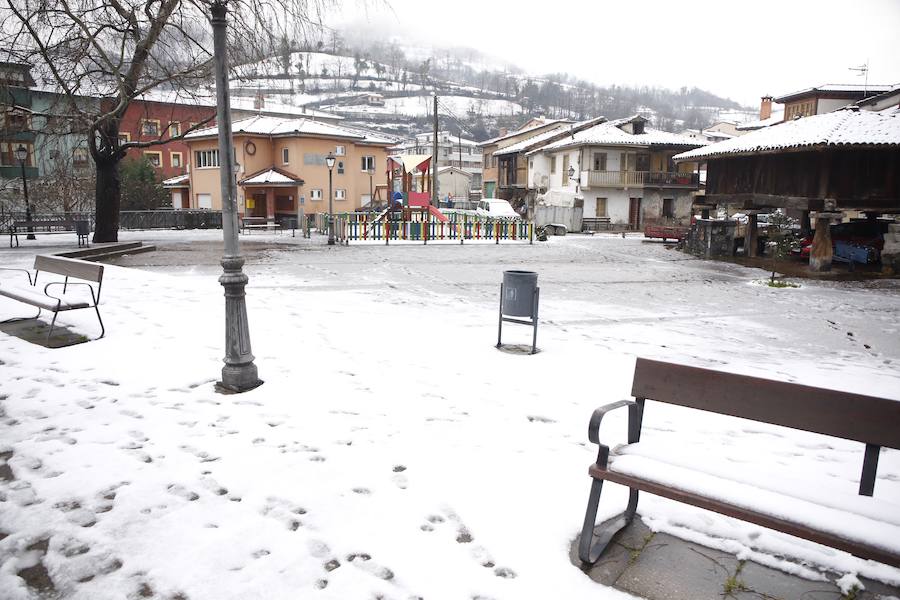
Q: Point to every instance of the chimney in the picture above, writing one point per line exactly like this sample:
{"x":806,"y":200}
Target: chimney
{"x":765,"y":108}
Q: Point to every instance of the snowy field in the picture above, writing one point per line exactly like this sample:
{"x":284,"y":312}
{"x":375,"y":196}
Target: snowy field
{"x":393,"y":452}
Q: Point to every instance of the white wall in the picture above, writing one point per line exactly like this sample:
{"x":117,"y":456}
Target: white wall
{"x":827,"y":105}
{"x":617,"y":203}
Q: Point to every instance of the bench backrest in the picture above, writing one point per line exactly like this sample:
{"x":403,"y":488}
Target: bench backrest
{"x":866,"y":419}
{"x":69,"y":267}
{"x":43,"y":223}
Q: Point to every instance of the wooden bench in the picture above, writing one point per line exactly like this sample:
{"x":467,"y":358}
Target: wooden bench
{"x":43,"y":300}
{"x":50,"y":227}
{"x":869,"y":420}
{"x":594,"y":223}
{"x":249,"y":224}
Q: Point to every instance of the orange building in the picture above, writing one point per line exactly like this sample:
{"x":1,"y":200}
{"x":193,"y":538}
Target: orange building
{"x":281,"y":167}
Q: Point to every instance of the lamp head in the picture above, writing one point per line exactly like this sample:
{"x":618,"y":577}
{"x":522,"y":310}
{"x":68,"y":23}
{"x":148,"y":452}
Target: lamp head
{"x":329,"y":161}
{"x":21,"y":153}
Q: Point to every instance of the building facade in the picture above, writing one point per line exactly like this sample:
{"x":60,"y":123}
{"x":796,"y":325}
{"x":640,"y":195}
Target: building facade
{"x":17,"y":131}
{"x":281,"y":166}
{"x":826,"y":98}
{"x":620,"y":171}
{"x":453,"y":151}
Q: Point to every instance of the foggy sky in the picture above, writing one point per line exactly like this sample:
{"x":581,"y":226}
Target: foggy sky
{"x":737,"y":49}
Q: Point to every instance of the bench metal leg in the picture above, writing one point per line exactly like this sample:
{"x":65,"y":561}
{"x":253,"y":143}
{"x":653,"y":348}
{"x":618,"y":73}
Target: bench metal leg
{"x":52,"y":324}
{"x":16,"y":319}
{"x":595,"y":538}
{"x":869,"y":470}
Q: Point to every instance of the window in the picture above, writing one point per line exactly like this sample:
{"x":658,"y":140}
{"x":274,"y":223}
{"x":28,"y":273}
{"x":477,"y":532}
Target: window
{"x":174,"y":128}
{"x":124,"y":138}
{"x":368,"y":163}
{"x":340,"y":194}
{"x":155,"y":158}
{"x":175,"y":159}
{"x":150,"y":127}
{"x":487,"y":160}
{"x":285,"y":156}
{"x":204,"y":200}
{"x":16,"y":121}
{"x":79,"y":157}
{"x":600,"y":210}
{"x":340,"y":166}
{"x":206,"y":158}
{"x":553,"y":165}
{"x":315,"y":195}
{"x":565,"y":170}
{"x":600,"y":165}
{"x":8,"y":154}
{"x":642,"y":162}
{"x":340,"y":150}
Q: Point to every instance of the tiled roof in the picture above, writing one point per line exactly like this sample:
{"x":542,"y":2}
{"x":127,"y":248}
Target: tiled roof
{"x":611,"y":134}
{"x":276,"y":126}
{"x":847,"y":127}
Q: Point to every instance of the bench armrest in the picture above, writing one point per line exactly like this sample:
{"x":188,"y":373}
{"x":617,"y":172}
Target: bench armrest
{"x":67,"y":284}
{"x":26,"y":271}
{"x":635,"y":416}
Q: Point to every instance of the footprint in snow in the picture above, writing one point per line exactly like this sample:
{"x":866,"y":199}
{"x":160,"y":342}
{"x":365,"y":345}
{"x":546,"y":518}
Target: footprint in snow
{"x":182,"y":492}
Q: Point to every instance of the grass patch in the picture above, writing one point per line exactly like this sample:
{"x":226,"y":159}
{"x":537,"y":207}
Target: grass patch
{"x":781,"y":284}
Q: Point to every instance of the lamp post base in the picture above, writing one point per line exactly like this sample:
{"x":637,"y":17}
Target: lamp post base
{"x":239,"y":373}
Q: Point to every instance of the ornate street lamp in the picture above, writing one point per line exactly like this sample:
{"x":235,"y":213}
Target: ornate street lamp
{"x":22,"y":155}
{"x":329,"y":162}
{"x":239,"y":373}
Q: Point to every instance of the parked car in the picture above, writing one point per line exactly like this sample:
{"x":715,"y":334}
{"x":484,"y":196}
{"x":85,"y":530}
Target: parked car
{"x":496,"y":209}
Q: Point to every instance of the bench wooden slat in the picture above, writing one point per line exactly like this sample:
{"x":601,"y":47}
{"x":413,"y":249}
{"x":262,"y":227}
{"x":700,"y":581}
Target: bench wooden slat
{"x":68,"y":267}
{"x":651,"y":487}
{"x":857,"y":417}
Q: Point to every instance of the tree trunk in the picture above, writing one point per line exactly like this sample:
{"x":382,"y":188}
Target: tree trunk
{"x":108,"y":194}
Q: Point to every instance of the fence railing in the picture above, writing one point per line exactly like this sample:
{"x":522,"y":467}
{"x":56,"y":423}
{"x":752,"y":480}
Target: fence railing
{"x":137,"y":219}
{"x":431,"y":231}
{"x":640,"y":178}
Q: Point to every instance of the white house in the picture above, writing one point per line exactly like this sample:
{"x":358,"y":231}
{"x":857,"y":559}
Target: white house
{"x":621,"y":172}
{"x":453,"y":182}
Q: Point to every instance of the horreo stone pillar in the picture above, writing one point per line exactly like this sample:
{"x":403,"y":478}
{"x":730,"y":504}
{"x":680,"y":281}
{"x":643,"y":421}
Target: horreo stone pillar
{"x":821,"y":253}
{"x":239,"y":373}
{"x":751,"y":236}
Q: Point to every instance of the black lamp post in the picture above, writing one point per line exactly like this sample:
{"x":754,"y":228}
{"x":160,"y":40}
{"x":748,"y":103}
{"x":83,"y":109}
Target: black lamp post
{"x":371,"y":173}
{"x":329,"y":162}
{"x":22,"y":155}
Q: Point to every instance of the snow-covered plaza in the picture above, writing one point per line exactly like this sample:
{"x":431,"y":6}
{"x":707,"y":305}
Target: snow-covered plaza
{"x":392,"y":451}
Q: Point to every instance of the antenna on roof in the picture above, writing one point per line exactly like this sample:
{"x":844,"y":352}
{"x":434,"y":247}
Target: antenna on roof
{"x":863,"y":70}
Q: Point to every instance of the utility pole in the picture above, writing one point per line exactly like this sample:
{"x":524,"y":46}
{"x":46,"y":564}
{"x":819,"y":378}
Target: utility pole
{"x":434,"y":157}
{"x":239,"y":373}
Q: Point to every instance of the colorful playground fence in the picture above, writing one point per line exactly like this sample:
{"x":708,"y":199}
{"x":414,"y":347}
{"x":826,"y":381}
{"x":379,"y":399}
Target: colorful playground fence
{"x":360,"y":228}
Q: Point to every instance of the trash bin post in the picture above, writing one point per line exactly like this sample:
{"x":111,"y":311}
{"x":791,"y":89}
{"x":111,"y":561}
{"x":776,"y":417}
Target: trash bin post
{"x":514,"y":292}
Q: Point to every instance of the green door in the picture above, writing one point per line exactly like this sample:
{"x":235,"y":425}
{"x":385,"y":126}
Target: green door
{"x":489,"y":189}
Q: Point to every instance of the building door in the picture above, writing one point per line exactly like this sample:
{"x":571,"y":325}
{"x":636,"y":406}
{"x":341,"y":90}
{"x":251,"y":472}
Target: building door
{"x":259,"y":205}
{"x":489,"y":189}
{"x":634,"y":213}
{"x":600,"y":210}
{"x":176,"y":199}
{"x":668,"y":208}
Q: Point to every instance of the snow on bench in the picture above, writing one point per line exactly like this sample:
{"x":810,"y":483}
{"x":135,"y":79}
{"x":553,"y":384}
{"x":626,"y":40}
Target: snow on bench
{"x":855,"y":524}
{"x":42,"y":299}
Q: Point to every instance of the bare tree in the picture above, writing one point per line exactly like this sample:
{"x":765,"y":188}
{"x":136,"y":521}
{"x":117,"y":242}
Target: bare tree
{"x":118,"y":50}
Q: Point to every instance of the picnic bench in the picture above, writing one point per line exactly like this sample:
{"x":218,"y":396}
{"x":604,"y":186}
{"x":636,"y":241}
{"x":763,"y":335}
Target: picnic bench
{"x":42,"y":299}
{"x":50,"y":227}
{"x":871,"y":420}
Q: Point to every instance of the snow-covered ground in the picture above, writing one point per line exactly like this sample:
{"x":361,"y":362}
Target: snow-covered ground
{"x":393,"y":452}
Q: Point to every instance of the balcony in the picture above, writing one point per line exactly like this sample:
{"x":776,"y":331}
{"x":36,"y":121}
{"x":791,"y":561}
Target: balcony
{"x":639,"y":179}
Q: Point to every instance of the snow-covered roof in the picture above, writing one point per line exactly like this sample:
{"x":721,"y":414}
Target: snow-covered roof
{"x":777,"y":117}
{"x":274,"y":105}
{"x":177,"y":181}
{"x":548,"y":136}
{"x":271,"y":176}
{"x":281,"y":127}
{"x":612,"y":134}
{"x":835,"y":88}
{"x":543,"y":125}
{"x":453,"y":169}
{"x":846,"y":127}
